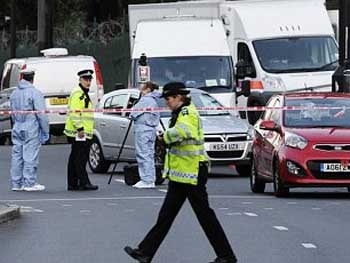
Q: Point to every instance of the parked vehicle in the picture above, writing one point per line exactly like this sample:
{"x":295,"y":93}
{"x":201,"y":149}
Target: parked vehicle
{"x":273,"y":43}
{"x":55,"y":77}
{"x":227,"y":137}
{"x":175,"y":41}
{"x":305,"y":146}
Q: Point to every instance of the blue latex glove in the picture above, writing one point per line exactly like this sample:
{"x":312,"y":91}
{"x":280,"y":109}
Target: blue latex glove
{"x":44,"y":137}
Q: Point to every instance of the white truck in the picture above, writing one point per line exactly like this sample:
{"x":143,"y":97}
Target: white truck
{"x":278,"y":45}
{"x":184,"y":43}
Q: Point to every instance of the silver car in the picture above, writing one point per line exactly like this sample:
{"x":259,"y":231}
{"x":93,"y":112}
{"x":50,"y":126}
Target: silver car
{"x":228,"y":138}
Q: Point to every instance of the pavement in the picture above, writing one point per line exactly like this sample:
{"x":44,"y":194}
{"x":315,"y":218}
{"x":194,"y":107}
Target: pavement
{"x":8,"y":212}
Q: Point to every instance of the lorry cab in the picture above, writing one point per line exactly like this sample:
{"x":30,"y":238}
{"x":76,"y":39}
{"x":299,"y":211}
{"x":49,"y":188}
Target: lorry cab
{"x":182,"y":47}
{"x":280,"y":46}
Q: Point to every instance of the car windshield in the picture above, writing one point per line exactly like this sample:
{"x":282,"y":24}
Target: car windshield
{"x":200,"y":100}
{"x":317,"y":112}
{"x":297,"y":54}
{"x":211,"y":72}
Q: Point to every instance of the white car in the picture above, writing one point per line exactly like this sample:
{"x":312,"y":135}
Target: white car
{"x":55,"y":76}
{"x":228,"y":138}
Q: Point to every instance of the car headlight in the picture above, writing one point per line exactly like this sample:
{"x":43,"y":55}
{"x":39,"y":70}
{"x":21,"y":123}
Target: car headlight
{"x":273,"y":83}
{"x":250,"y":133}
{"x":295,"y":141}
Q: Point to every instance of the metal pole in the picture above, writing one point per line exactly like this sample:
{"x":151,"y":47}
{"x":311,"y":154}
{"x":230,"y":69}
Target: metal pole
{"x":13,"y":29}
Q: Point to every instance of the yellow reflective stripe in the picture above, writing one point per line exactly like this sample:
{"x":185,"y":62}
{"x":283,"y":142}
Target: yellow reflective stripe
{"x":73,"y":133}
{"x":185,"y":129}
{"x":185,"y":153}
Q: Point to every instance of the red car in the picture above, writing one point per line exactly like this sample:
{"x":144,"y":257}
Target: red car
{"x":304,"y":143}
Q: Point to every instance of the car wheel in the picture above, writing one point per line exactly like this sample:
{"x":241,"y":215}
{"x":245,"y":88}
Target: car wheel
{"x":97,"y":162}
{"x":243,"y":170}
{"x":279,"y":189}
{"x":256,"y":184}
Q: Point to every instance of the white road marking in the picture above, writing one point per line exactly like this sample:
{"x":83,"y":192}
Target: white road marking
{"x":129,"y":210}
{"x":85,"y":211}
{"x":247,"y":203}
{"x":133,"y":198}
{"x":269,"y":208}
{"x":281,"y":228}
{"x":250,"y":214}
{"x":234,"y":214}
{"x":163,"y":190}
{"x":67,"y":205}
{"x":291,"y":203}
{"x":223,"y":208}
{"x":315,"y":208}
{"x":29,"y":209}
{"x":308,"y":245}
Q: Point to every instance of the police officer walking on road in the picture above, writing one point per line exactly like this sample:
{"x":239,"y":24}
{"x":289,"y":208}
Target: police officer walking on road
{"x":79,"y":129}
{"x":186,"y":168}
{"x":29,"y":131}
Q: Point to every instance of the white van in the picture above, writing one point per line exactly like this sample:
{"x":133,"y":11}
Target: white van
{"x":55,"y":76}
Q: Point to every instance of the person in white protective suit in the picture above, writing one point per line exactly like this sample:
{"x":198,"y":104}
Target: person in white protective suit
{"x":145,"y":134}
{"x":29,"y":131}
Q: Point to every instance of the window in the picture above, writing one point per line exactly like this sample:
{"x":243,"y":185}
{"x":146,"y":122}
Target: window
{"x":244,"y":56}
{"x":6,"y":76}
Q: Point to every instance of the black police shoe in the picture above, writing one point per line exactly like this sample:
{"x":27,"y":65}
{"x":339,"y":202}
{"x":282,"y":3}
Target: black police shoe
{"x":224,"y":260}
{"x":137,"y":254}
{"x":88,"y":187}
{"x":73,"y":188}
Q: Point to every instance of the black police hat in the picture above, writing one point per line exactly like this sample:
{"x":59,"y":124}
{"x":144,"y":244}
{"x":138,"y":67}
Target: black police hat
{"x":85,"y":73}
{"x":174,"y":88}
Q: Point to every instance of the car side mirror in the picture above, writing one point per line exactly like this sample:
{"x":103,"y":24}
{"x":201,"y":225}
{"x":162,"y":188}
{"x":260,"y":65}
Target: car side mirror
{"x":244,"y":69}
{"x":270,"y":125}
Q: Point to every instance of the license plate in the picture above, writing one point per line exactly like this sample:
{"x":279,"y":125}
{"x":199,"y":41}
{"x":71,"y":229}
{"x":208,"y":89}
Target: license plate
{"x":58,"y":101}
{"x":334,"y":167}
{"x":224,"y":147}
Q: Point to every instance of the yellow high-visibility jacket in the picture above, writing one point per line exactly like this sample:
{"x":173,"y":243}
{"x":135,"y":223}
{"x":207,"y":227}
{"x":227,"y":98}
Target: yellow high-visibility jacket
{"x":79,"y":120}
{"x":186,"y":147}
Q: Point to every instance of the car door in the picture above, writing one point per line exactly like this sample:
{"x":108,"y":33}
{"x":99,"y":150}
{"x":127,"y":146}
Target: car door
{"x":262,"y":144}
{"x":112,"y":124}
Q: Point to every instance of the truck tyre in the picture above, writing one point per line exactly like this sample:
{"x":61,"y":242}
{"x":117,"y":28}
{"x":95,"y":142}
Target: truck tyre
{"x":279,"y":189}
{"x":243,"y":170}
{"x":253,"y":101}
{"x":97,"y":162}
{"x":256,"y":184}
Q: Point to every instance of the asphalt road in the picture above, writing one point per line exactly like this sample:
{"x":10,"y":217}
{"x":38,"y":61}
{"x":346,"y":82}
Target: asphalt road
{"x":311,"y":226}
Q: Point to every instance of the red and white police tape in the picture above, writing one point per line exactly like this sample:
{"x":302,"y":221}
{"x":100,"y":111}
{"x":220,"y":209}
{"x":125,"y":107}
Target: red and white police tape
{"x":236,"y":108}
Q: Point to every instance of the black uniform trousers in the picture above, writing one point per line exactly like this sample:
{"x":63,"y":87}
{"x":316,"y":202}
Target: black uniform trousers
{"x":198,"y":198}
{"x":77,"y":174}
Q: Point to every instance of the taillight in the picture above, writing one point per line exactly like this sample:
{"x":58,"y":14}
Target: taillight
{"x":21,"y":75}
{"x":99,"y":81}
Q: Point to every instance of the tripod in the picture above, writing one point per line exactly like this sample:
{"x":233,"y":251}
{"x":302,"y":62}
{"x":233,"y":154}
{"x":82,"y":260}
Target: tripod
{"x":120,"y":150}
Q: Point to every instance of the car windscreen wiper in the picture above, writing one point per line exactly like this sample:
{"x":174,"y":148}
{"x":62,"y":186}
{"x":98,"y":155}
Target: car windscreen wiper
{"x":325,"y":66}
{"x":217,"y":88}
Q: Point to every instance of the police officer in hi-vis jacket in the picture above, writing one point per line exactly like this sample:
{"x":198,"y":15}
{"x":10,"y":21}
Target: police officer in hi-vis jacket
{"x":79,"y":129}
{"x":186,"y":168}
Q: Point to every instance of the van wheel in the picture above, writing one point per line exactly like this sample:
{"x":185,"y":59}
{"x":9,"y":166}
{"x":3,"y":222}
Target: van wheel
{"x":97,"y":162}
{"x":253,"y":116}
{"x":279,"y":189}
{"x":243,"y":170}
{"x":256,"y":184}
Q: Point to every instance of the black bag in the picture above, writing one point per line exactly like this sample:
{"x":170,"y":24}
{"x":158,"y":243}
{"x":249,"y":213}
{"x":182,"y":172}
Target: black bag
{"x":131,"y":174}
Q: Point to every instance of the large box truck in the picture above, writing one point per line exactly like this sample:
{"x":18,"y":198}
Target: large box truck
{"x":278,"y":45}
